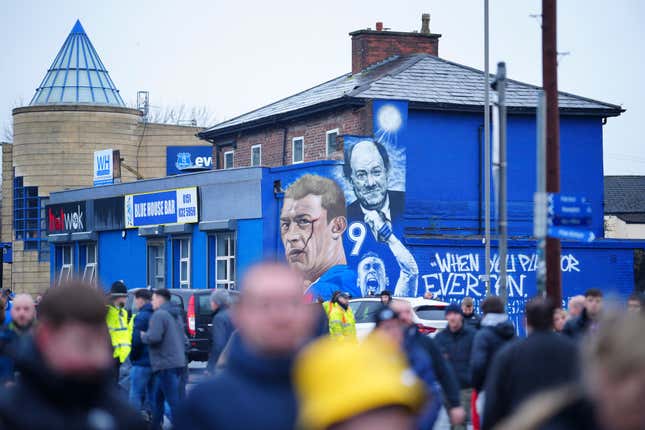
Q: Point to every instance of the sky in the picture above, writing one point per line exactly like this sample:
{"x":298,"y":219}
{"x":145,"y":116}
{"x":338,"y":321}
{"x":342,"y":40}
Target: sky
{"x":233,"y":56}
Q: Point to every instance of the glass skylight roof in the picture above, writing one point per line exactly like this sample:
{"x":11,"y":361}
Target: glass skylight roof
{"x":77,"y":76}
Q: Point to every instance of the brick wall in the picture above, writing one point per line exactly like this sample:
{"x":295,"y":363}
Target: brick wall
{"x":370,"y":47}
{"x":355,"y":121}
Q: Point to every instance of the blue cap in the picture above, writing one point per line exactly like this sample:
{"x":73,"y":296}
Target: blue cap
{"x":452,"y":307}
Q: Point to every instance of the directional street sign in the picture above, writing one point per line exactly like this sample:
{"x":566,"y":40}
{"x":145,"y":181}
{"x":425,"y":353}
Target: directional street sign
{"x":578,"y":234}
{"x":569,"y":217}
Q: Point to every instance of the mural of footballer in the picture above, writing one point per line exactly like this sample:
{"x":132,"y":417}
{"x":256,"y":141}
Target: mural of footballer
{"x":312,"y":223}
{"x":367,"y":168}
{"x":372,"y":278}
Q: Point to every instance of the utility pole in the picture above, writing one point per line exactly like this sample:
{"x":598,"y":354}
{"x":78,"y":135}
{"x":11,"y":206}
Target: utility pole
{"x":499,"y":85}
{"x":550,"y":84}
{"x":487,"y":165}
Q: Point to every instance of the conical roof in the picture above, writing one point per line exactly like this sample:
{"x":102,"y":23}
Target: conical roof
{"x":77,"y":76}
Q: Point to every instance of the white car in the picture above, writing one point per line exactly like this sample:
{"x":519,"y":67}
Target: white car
{"x":428,"y":315}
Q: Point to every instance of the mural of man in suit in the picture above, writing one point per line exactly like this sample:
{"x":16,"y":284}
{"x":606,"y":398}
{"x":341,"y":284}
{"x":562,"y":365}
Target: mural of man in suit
{"x":367,"y":166}
{"x":312,"y":222}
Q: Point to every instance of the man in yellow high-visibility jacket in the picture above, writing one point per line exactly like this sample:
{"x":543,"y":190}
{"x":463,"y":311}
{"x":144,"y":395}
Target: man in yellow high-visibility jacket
{"x":342,"y":324}
{"x":118,"y":323}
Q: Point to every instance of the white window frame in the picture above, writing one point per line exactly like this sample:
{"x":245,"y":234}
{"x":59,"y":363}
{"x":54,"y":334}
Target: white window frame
{"x":66,"y":269}
{"x":90,"y":268}
{"x":232,"y":159}
{"x":228,"y":258}
{"x":152,"y":280}
{"x":259,"y":147}
{"x":184,"y":283}
{"x":293,"y":149}
{"x":327,"y":153}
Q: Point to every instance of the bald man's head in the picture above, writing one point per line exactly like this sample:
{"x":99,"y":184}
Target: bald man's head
{"x":404,"y":309}
{"x":23,"y":311}
{"x":271,"y":315}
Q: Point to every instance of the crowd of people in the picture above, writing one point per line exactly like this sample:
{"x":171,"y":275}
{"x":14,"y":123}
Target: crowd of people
{"x":79,"y":360}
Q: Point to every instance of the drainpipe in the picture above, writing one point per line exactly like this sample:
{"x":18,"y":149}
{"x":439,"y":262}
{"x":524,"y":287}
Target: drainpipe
{"x":284,"y":145}
{"x":278,"y":194}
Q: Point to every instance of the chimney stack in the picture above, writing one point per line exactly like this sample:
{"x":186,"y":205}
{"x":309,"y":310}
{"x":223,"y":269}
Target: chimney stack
{"x":425,"y":23}
{"x":372,"y":46}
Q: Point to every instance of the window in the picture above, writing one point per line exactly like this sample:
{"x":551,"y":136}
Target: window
{"x":256,"y":155}
{"x":156,"y":264}
{"x":223,"y":259}
{"x":181,"y":248}
{"x":29,"y":221}
{"x":228,"y":159}
{"x":332,"y":141}
{"x":65,"y":259}
{"x":298,"y":149}
{"x":89,"y":260}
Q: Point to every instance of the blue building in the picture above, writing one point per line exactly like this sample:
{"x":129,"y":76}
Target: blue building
{"x":417,"y":210}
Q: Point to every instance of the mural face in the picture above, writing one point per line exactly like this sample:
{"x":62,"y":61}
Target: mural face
{"x":312,"y":224}
{"x":368,"y":174}
{"x":371,"y":275}
{"x":306,"y":234}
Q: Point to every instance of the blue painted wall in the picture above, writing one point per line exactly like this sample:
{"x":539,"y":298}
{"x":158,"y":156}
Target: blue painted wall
{"x":453,"y":269}
{"x":250,"y":246}
{"x":122,"y":258}
{"x":445,"y":161}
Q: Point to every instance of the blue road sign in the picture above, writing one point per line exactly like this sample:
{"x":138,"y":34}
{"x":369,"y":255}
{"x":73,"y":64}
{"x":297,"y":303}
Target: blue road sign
{"x":569,"y":217}
{"x":562,"y":206}
{"x":568,"y":233}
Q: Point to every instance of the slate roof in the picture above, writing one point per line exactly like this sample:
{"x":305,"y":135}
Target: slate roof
{"x":625,"y":197}
{"x":422,"y":79}
{"x":77,"y":75}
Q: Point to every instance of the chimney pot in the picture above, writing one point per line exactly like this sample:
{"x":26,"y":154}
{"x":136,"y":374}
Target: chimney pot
{"x":379,"y":26}
{"x":425,"y":23}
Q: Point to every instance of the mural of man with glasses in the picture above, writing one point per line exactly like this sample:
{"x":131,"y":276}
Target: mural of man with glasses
{"x":312,"y":222}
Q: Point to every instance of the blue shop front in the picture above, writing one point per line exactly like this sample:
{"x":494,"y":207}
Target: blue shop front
{"x":175,"y":232}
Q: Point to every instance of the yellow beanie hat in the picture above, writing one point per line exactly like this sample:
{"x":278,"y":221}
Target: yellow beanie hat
{"x":336,"y":381}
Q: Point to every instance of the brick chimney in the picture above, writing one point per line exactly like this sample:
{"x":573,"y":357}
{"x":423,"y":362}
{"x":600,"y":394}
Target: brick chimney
{"x":371,"y":46}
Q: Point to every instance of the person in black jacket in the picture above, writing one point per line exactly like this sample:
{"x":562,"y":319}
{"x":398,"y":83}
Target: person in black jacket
{"x":588,"y":320}
{"x":495,"y":331}
{"x":255,"y":389}
{"x":66,"y":379}
{"x":523,"y":368}
{"x":471,"y":319}
{"x":455,"y":343}
{"x":222,"y":326}
{"x":141,"y":380}
{"x":443,"y":371}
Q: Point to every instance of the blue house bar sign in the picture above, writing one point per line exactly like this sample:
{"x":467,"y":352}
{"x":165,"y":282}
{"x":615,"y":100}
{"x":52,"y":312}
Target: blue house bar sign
{"x":177,"y":206}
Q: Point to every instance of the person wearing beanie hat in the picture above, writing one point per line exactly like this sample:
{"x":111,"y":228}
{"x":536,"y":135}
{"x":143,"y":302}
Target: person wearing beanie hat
{"x":386,"y":297}
{"x":382,"y":393}
{"x":455,"y":343}
{"x":118,"y":324}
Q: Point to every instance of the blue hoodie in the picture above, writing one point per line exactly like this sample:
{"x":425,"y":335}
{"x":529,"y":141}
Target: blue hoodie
{"x":139,"y":355}
{"x":252,"y":392}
